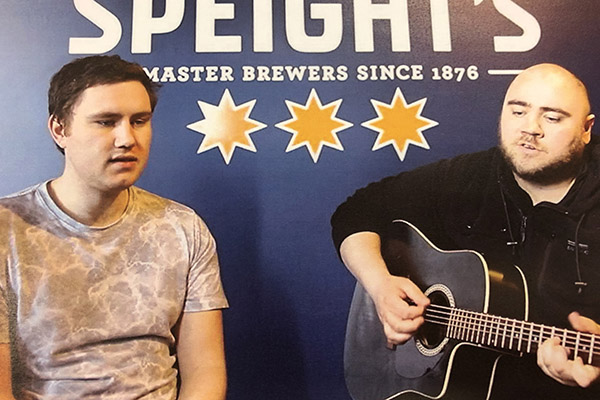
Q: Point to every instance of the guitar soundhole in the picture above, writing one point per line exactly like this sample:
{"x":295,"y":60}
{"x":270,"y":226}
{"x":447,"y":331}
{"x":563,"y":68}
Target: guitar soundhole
{"x":431,"y":338}
{"x":432,"y":335}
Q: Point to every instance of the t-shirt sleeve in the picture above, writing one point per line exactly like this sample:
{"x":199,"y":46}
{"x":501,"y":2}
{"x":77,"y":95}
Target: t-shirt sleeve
{"x":4,"y":333}
{"x":204,"y":288}
{"x":4,"y":318}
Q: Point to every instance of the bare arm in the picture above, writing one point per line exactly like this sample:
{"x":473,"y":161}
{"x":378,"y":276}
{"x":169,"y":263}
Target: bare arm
{"x":201,"y":356}
{"x":553,"y":359}
{"x":361,"y":254}
{"x":5,"y":373}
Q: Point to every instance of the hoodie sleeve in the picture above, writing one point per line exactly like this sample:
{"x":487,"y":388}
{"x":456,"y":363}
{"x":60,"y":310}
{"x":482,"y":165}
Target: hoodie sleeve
{"x":424,"y":197}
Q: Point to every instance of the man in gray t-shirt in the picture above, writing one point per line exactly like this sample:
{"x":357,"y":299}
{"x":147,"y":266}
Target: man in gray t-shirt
{"x":105,"y":286}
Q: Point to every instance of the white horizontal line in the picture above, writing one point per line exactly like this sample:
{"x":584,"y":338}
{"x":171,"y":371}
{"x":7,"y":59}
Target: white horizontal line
{"x":504,"y":71}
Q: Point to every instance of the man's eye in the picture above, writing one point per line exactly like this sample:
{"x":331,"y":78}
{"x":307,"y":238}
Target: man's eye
{"x":553,"y":119}
{"x":105,"y":122}
{"x":518,"y":113}
{"x":140,"y":122}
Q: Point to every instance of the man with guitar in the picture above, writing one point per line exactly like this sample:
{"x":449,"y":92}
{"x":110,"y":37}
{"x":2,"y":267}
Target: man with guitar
{"x":534,"y":202}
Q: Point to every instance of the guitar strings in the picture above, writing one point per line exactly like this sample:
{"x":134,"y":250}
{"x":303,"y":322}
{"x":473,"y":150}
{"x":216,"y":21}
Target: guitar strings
{"x":499,"y":325}
{"x":462,"y":323}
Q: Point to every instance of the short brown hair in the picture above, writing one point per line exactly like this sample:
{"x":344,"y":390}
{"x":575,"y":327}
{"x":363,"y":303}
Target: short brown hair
{"x":73,"y":78}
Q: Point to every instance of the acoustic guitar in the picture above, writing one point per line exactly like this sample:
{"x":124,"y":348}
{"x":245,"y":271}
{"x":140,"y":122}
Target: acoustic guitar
{"x":477,"y":313}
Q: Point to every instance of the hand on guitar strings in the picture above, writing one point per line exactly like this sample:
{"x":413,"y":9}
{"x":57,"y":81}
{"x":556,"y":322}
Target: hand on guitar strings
{"x":554,"y":360}
{"x":400,"y":306}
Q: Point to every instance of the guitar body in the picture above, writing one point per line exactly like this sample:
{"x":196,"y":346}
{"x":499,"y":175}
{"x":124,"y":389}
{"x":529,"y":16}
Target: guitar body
{"x":430,"y":365}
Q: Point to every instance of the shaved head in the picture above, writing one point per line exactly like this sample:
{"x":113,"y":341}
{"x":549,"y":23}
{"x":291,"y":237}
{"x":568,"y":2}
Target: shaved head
{"x":556,"y":76}
{"x":545,"y":124}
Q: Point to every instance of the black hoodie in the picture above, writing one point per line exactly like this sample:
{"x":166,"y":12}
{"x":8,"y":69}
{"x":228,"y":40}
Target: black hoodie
{"x":473,"y":202}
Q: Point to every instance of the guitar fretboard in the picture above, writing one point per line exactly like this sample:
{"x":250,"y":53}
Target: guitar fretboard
{"x":511,"y":334}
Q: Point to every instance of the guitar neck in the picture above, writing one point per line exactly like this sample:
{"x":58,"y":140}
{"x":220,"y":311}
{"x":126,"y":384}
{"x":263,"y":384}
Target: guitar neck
{"x":511,"y":334}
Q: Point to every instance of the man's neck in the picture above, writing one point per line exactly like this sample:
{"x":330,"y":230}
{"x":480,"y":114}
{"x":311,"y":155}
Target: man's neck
{"x":89,"y":208}
{"x":552,"y":193}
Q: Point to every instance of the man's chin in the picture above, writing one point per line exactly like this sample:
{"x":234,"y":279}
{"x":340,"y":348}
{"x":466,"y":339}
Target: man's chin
{"x":548,"y":174}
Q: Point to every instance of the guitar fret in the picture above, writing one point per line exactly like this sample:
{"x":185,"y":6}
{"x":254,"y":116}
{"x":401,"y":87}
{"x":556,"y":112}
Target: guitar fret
{"x":465,"y":331}
{"x":450,"y":324}
{"x":521,"y":336}
{"x":461,"y":326}
{"x":473,"y":329}
{"x":512,"y":334}
{"x":455,"y":326}
{"x":541,"y":335}
{"x":577,"y":345}
{"x":484,"y":333}
{"x":530,"y":338}
{"x":469,"y":327}
{"x":479,"y":330}
{"x":504,"y":334}
{"x":591,"y":355}
{"x":496,"y":333}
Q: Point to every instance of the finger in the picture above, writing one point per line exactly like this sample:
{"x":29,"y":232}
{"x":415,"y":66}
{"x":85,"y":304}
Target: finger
{"x":550,"y":352}
{"x":412,"y":292}
{"x":584,"y":375}
{"x":400,"y":330}
{"x":583,"y":324}
{"x":401,"y":310}
{"x":553,"y":361}
{"x":395,"y":337}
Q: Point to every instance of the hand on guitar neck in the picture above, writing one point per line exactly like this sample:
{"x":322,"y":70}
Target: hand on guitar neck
{"x":554,"y":360}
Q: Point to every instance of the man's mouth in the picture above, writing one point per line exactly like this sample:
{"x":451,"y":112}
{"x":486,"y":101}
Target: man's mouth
{"x":126,"y":162}
{"x":123,"y":159}
{"x":529,"y":146}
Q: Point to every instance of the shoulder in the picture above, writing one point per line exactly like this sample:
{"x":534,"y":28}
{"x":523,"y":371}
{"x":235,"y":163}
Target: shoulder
{"x":18,"y":196}
{"x":20,"y":202}
{"x":460,"y":170}
{"x":159,"y":210}
{"x":151,"y":201}
{"x":469,"y":168}
{"x":593,"y":150}
{"x":482,"y":159}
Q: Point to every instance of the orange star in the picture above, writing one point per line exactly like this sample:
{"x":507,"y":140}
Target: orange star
{"x":226,"y":126}
{"x":399,"y":124}
{"x":314,"y":125}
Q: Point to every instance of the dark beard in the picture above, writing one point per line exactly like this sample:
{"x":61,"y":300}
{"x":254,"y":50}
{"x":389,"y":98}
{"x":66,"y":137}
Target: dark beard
{"x":559,"y":171}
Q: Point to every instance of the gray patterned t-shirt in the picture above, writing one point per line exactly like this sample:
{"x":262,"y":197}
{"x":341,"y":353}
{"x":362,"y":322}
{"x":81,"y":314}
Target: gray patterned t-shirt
{"x":89,"y":311}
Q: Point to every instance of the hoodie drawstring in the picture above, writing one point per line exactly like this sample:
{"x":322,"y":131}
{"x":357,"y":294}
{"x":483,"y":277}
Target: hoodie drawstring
{"x":580,"y":283}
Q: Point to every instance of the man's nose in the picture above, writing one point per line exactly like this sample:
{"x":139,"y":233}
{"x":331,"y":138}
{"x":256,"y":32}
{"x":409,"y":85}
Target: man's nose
{"x":532,"y":126}
{"x":124,"y":135}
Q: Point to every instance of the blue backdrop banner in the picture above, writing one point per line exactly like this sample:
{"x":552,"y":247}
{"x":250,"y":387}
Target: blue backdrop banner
{"x":271,"y":113}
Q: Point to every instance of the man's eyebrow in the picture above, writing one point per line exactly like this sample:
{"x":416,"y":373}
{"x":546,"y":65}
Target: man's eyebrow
{"x":110,"y":115}
{"x":518,"y":103}
{"x":557,"y":110}
{"x":105,"y":115}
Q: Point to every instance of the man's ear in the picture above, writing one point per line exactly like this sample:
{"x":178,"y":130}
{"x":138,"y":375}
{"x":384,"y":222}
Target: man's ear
{"x":57,"y":131}
{"x":587,"y":126}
